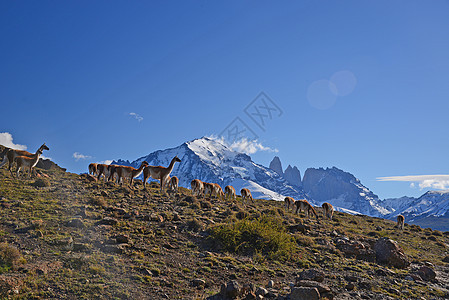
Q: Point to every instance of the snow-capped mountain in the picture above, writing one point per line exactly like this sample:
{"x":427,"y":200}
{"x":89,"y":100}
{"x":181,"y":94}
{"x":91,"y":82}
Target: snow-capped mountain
{"x":432,"y":203}
{"x":343,"y":190}
{"x":211,"y":160}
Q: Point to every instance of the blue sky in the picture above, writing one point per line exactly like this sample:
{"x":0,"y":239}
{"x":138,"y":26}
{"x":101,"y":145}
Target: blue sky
{"x":362,"y":85}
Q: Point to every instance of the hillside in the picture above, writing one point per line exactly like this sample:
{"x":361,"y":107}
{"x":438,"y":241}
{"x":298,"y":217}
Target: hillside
{"x":67,"y":236}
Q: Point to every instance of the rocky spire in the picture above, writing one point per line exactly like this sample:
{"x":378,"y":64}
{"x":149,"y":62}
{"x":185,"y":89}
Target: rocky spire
{"x":293,"y":176}
{"x":276,"y":166}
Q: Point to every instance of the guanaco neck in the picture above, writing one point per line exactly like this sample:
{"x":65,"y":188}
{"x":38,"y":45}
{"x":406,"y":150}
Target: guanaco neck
{"x":172,"y":164}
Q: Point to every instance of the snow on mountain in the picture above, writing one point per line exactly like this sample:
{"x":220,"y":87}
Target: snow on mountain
{"x":343,"y":190}
{"x":431,"y":204}
{"x":211,"y":160}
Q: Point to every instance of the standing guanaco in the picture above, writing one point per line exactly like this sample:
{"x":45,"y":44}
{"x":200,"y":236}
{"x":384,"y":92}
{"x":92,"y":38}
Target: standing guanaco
{"x":328,"y":210}
{"x":27,"y":162}
{"x":289,"y":203}
{"x":159,"y":173}
{"x":400,"y":222}
{"x":11,"y":154}
{"x":197,"y":187}
{"x":218,"y":191}
{"x":246,"y":194}
{"x":127,"y":172}
{"x":174,"y":182}
{"x":230,"y":192}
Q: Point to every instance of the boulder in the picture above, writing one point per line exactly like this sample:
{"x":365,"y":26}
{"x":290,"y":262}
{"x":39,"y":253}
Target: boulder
{"x":305,"y":293}
{"x":231,"y":290}
{"x":311,"y":274}
{"x":426,"y":273}
{"x":388,"y":252}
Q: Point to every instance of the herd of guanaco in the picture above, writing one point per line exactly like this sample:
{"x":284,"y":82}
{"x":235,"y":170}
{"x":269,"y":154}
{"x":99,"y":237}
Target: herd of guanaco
{"x":27,"y":161}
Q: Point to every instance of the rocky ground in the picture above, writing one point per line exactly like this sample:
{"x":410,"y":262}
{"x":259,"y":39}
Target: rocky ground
{"x":68,"y":236}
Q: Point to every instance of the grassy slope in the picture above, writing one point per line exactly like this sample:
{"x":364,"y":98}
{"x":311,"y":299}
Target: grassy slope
{"x":168,"y":244}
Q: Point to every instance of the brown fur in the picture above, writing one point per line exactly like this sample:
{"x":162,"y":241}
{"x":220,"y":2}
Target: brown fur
{"x":127,"y":172}
{"x":27,"y":162}
{"x":246,"y":194}
{"x":197,"y":187}
{"x":305,"y":206}
{"x":174,"y":182}
{"x":159,"y":173}
{"x":93,"y":169}
{"x":218,"y":191}
{"x":289,"y":203}
{"x":230,"y":192}
{"x":11,"y":154}
{"x":328,"y":210}
{"x":400,"y":222}
{"x":208,"y":189}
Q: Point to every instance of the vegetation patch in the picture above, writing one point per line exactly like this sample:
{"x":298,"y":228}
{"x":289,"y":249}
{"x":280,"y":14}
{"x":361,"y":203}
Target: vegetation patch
{"x":266,"y":235}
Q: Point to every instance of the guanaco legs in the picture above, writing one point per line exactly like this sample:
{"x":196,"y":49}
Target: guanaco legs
{"x":127,"y":172}
{"x":218,"y":191}
{"x":159,"y":172}
{"x":11,"y":154}
{"x":197,"y":187}
{"x":174,"y":182}
{"x":400,"y":222}
{"x":328,"y":210}
{"x":246,"y":194}
{"x":230,"y":192}
{"x":289,"y":203}
{"x":27,"y":162}
{"x":305,"y":206}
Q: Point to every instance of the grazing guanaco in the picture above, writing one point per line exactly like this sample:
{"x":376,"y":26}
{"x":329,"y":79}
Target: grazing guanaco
{"x":246,"y":194}
{"x":159,"y":173}
{"x":197,"y":187}
{"x":127,"y":172}
{"x":328,"y":210}
{"x":400,"y":222}
{"x":174,"y":182}
{"x":305,"y":206}
{"x":27,"y":162}
{"x":218,"y":191}
{"x":12,"y":154}
{"x":208,"y":189}
{"x":93,"y":169}
{"x":230,"y":192}
{"x":289,"y":203}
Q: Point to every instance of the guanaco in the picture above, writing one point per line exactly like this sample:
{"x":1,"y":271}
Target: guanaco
{"x":11,"y":154}
{"x":159,"y":173}
{"x":305,"y":206}
{"x":197,"y":187}
{"x":208,"y":189}
{"x":289,"y":203}
{"x":400,"y":222}
{"x":218,"y":191}
{"x":246,"y":194}
{"x":174,"y":182}
{"x":328,"y":210}
{"x":93,"y":169}
{"x":230,"y":192}
{"x":27,"y":162}
{"x":124,"y":172}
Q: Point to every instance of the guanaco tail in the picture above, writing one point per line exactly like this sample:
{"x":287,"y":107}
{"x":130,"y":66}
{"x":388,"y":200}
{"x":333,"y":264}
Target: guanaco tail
{"x":400,"y":222}
{"x":93,"y":169}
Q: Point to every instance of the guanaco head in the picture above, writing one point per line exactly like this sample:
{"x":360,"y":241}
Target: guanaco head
{"x":176,"y":159}
{"x":145,"y":164}
{"x":44,"y":147}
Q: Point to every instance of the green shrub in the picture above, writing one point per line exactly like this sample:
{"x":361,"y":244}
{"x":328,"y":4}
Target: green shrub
{"x":265,"y":235}
{"x":9,"y":255}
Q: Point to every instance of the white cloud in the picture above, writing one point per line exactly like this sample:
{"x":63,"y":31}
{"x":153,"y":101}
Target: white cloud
{"x":136,"y":116}
{"x":439,"y":182}
{"x":77,"y":156}
{"x":6,"y":140}
{"x":244,"y":145}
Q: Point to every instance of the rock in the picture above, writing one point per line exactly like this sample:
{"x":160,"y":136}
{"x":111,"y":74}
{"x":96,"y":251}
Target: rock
{"x":104,"y":194}
{"x":388,"y":252}
{"x":261,"y":291}
{"x":304,"y":293}
{"x":107,"y":221}
{"x":446,"y":259}
{"x":270,"y":284}
{"x":156,"y":218}
{"x":122,"y":239}
{"x":311,"y":274}
{"x":350,"y":286}
{"x":118,"y":249}
{"x":231,"y":290}
{"x":77,"y":223}
{"x":324,"y":289}
{"x":408,"y":277}
{"x":197,"y":282}
{"x":276,"y":166}
{"x":293,"y":176}
{"x":426,"y":273}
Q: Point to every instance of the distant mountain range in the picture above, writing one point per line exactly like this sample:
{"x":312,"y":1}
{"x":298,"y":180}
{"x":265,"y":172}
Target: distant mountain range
{"x":211,"y":160}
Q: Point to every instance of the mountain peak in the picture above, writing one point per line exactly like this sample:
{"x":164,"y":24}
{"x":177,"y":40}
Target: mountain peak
{"x":276,"y":166}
